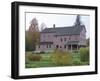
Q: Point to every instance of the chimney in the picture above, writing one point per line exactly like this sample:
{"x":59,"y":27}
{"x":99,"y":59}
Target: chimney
{"x":53,"y":25}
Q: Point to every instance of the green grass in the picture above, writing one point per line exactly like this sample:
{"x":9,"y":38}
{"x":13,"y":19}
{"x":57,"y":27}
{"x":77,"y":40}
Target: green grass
{"x":46,"y":61}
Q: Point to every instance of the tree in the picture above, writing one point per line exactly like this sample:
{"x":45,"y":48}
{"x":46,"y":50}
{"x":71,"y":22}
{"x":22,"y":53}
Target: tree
{"x":78,"y":21}
{"x":43,"y":26}
{"x":32,"y":36}
{"x":32,"y":39}
{"x":34,"y":25}
{"x":88,"y":42}
{"x":29,"y":41}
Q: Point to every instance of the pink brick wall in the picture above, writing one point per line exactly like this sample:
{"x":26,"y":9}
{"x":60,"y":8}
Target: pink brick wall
{"x":47,"y":37}
{"x":57,"y":40}
{"x":83,"y":37}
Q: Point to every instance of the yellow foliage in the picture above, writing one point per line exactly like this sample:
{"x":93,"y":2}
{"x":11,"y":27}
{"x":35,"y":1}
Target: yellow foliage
{"x":60,"y":57}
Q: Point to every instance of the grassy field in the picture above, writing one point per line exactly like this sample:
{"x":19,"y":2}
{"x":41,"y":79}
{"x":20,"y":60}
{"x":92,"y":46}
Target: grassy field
{"x":44,"y":62}
{"x":47,"y":62}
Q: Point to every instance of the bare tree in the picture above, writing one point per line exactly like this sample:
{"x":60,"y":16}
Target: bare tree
{"x":34,"y":25}
{"x":43,"y":26}
{"x":32,"y":35}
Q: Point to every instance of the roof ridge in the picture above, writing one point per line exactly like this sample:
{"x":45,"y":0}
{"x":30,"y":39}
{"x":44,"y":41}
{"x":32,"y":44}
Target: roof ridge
{"x":64,"y":30}
{"x":63,"y":27}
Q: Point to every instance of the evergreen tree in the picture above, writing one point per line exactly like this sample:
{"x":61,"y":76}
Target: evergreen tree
{"x":78,"y":21}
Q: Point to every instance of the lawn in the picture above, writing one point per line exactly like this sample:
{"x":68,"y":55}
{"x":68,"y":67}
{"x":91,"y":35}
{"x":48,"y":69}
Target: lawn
{"x":47,"y":62}
{"x":44,"y":62}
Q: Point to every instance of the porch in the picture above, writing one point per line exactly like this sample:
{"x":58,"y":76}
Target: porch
{"x":73,"y":45}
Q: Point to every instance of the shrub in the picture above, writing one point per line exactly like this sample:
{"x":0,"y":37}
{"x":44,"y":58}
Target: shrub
{"x":75,"y":51}
{"x":84,"y":54}
{"x":33,"y":57}
{"x":77,"y":62}
{"x":42,"y":52}
{"x":60,"y":57}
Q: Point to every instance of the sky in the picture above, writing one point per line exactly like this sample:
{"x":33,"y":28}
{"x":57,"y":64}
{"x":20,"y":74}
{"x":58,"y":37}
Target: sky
{"x":60,"y":20}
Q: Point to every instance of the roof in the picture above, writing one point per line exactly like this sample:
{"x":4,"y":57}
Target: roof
{"x":72,"y":42}
{"x":71,"y":30}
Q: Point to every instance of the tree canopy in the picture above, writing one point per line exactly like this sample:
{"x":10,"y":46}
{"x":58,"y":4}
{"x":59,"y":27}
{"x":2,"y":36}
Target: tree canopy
{"x":78,"y":21}
{"x":32,"y":36}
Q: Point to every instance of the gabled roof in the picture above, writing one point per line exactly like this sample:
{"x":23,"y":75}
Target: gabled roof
{"x":71,"y":30}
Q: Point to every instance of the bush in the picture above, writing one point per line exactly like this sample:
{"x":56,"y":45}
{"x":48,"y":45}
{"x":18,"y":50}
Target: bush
{"x":42,"y":52}
{"x":60,"y":57}
{"x":77,"y":62}
{"x":76,"y":51}
{"x":33,"y":57}
{"x":84,"y":54}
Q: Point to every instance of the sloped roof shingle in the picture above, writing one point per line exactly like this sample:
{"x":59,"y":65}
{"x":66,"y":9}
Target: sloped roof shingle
{"x":71,"y":30}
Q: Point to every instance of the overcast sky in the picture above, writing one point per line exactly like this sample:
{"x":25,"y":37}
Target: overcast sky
{"x":59,"y":20}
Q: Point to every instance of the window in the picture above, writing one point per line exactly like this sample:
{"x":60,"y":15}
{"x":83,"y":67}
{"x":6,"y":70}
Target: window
{"x":64,"y":39}
{"x":76,"y":38}
{"x":61,"y":40}
{"x":69,"y":38}
{"x":60,"y":47}
{"x":57,"y":46}
{"x":55,"y":36}
{"x":49,"y":46}
{"x":65,"y":46}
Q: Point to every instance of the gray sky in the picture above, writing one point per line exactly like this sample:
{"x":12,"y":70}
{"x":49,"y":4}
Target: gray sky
{"x":59,"y":20}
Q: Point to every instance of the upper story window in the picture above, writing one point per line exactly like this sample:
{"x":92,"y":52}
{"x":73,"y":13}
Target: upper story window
{"x":43,"y":36}
{"x":61,"y":39}
{"x":64,"y":39}
{"x":55,"y":36}
{"x":69,"y":38}
{"x":76,"y":38}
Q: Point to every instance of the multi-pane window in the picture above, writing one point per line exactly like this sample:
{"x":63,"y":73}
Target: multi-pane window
{"x":61,"y":39}
{"x":49,"y":46}
{"x":69,"y":38}
{"x":65,"y":46}
{"x":64,"y":39}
